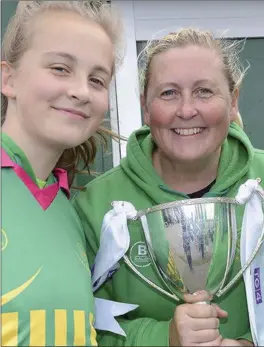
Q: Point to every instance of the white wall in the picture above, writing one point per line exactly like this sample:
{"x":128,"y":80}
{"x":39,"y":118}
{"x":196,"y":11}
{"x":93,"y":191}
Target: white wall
{"x":240,"y":18}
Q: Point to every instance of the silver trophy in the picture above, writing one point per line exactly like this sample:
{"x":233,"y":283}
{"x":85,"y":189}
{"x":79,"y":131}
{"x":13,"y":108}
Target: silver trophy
{"x":192,"y":244}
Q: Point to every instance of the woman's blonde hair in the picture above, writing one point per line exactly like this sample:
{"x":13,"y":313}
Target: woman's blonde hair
{"x":239,"y":120}
{"x":16,"y":41}
{"x":228,"y":51}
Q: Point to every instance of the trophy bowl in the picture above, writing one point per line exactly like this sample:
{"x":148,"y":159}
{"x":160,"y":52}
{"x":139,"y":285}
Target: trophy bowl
{"x":192,"y":243}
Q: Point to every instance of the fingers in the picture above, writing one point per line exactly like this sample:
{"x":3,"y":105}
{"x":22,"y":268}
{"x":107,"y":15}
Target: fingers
{"x":220,"y":313}
{"x":203,"y":296}
{"x":216,"y":342}
{"x":197,"y":297}
{"x":189,"y":337}
{"x":201,"y":311}
{"x":209,"y":323}
{"x":206,"y":311}
{"x":195,"y":324}
{"x":230,"y":342}
{"x":203,"y":336}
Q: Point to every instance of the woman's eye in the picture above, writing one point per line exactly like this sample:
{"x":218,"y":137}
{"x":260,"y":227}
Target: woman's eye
{"x":204,"y":92}
{"x":168,"y":93}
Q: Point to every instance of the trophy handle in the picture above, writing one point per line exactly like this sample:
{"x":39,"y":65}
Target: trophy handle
{"x":244,"y":268}
{"x":128,"y":262}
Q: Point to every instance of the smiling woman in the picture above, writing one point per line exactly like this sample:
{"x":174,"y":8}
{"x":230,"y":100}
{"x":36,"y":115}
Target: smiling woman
{"x":190,"y":148}
{"x":251,"y":101}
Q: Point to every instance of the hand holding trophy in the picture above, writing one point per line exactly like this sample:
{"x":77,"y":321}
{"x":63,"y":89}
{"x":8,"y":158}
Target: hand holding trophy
{"x":192,"y":244}
{"x":195,"y":324}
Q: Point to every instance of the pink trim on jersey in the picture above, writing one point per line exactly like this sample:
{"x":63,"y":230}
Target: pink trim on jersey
{"x":45,"y":195}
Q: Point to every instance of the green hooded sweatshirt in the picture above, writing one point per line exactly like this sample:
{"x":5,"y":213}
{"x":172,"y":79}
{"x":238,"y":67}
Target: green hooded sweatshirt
{"x":136,"y":181}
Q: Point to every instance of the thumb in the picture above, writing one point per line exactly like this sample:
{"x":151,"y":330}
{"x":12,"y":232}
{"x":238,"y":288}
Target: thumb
{"x":220,"y":313}
{"x":229,"y":343}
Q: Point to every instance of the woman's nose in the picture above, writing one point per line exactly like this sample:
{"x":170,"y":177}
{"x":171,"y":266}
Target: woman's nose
{"x":187,"y":108}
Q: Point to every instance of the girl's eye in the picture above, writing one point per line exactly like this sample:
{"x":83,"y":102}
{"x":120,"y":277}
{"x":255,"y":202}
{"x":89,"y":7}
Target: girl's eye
{"x":60,"y":69}
{"x":97,"y":82}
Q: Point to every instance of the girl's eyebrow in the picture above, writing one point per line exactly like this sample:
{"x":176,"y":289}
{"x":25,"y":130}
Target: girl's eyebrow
{"x":73,"y":59}
{"x":63,"y":55}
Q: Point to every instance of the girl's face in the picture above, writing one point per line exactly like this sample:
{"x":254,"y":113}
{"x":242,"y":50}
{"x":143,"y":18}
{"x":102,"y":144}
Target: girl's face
{"x":58,"y":94}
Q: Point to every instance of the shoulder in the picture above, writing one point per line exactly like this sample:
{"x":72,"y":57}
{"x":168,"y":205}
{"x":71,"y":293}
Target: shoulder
{"x":257,"y":164}
{"x":112,"y":174}
{"x":109,"y":179}
{"x":258,"y":157}
{"x":102,"y":185}
{"x":259,"y":151}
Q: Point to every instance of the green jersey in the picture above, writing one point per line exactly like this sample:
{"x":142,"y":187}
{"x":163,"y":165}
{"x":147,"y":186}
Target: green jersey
{"x":47,"y":297}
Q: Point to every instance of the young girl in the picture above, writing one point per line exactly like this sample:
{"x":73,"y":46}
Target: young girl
{"x":59,"y":59}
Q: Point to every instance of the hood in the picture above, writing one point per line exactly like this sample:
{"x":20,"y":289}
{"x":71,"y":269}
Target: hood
{"x":235,"y":160}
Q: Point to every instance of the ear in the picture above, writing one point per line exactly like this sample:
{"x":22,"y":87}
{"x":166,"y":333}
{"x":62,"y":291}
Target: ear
{"x":7,"y":73}
{"x":144,"y":107}
{"x":234,"y":106}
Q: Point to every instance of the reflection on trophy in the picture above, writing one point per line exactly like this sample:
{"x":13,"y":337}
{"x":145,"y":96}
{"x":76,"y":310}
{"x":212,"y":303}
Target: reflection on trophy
{"x":192,"y":244}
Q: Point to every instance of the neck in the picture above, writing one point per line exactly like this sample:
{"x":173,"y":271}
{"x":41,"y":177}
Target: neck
{"x":186,"y":177}
{"x":42,"y":158}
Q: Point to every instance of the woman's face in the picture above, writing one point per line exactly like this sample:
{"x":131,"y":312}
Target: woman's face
{"x":59,"y":92}
{"x":188,"y":105}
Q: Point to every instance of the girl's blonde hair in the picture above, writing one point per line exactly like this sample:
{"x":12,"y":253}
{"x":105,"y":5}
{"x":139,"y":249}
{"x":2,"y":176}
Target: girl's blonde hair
{"x":16,"y":41}
{"x":228,"y":51}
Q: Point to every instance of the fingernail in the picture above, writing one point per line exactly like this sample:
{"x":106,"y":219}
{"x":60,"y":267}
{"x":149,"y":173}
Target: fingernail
{"x":199,"y":292}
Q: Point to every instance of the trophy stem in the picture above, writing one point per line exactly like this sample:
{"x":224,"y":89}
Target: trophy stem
{"x":244,"y":268}
{"x":153,"y":285}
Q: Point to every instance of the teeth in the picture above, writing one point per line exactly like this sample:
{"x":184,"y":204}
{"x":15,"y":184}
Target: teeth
{"x":186,"y":132}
